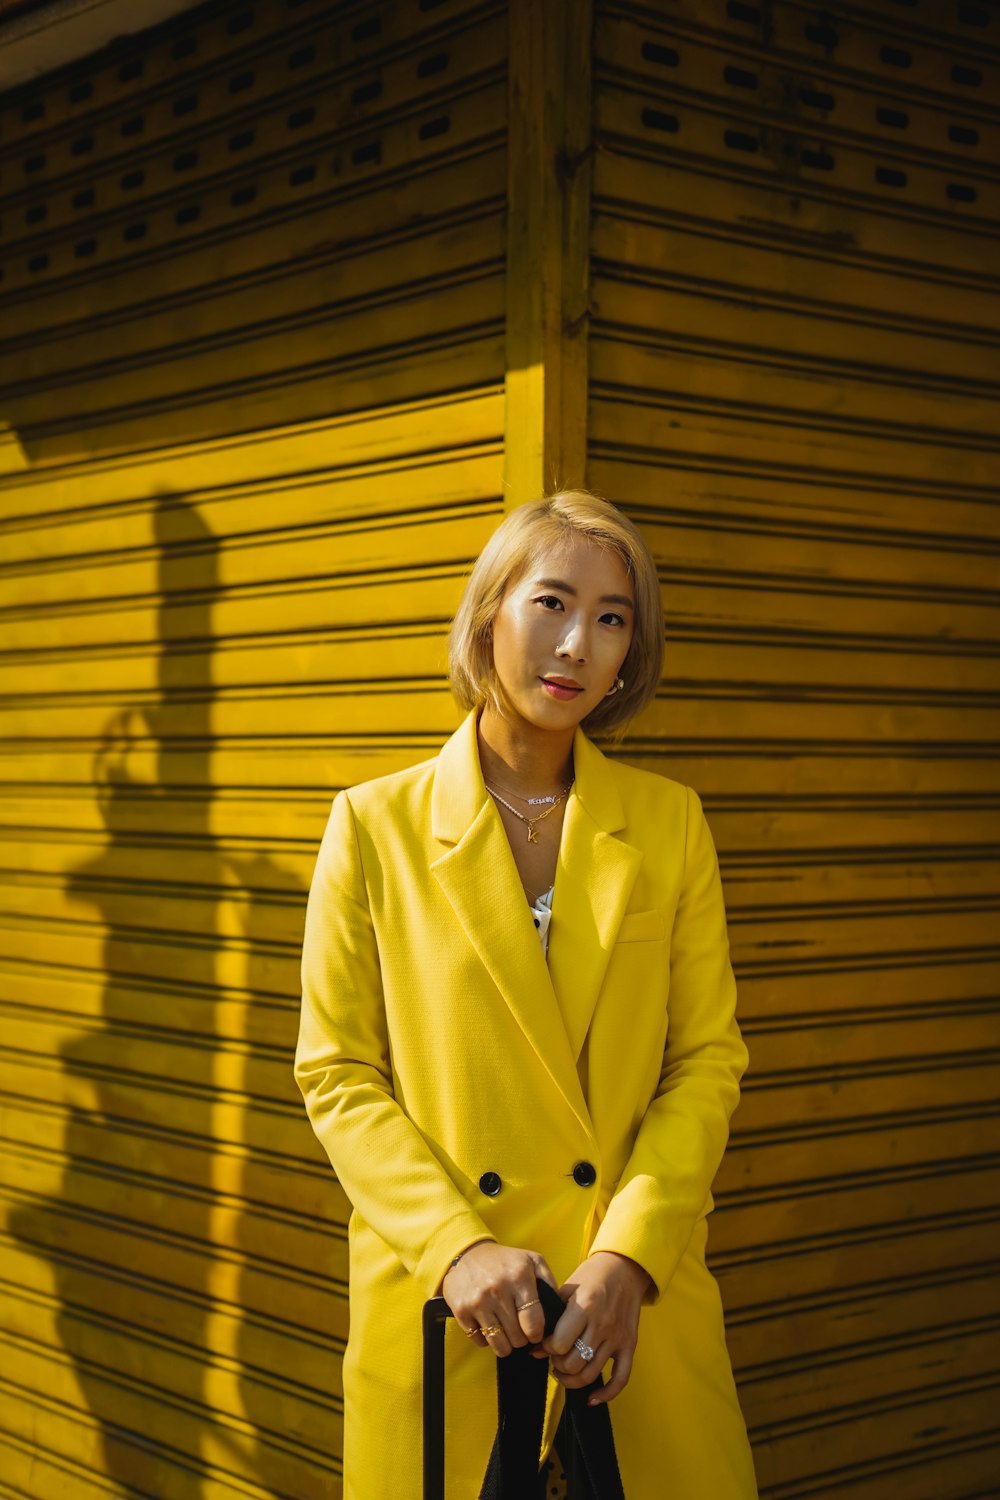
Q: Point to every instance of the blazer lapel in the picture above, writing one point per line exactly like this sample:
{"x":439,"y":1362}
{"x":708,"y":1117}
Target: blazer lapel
{"x":479,"y":877}
{"x":594,"y":879}
{"x":552,"y":1002}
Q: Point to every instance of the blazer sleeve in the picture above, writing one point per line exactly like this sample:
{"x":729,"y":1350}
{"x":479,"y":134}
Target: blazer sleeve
{"x":343,"y":1069}
{"x":681,"y":1139}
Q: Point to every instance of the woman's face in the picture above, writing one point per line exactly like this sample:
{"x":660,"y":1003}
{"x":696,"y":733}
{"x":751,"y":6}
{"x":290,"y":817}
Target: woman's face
{"x":571,"y":616}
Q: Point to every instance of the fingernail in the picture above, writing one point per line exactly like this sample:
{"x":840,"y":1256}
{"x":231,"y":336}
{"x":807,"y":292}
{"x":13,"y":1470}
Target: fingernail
{"x":593,"y":1401}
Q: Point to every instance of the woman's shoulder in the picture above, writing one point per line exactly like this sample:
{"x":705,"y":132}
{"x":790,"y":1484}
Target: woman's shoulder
{"x":660,"y":811}
{"x":393,"y":792}
{"x":645,"y":787}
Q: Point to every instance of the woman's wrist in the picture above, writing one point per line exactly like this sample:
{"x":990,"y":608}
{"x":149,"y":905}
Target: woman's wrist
{"x":486,"y":1240}
{"x":640,"y":1273}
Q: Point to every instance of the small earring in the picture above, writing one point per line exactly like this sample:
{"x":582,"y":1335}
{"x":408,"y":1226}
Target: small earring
{"x":619,"y":684}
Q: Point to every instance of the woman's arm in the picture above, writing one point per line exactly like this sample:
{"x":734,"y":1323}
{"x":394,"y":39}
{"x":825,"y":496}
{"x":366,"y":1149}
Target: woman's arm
{"x":679,"y":1145}
{"x":342,"y":1067}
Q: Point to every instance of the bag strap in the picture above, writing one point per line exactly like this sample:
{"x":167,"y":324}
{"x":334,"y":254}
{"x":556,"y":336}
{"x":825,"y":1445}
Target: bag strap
{"x":512,"y":1472}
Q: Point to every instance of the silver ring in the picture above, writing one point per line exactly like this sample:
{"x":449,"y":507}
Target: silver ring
{"x":584,"y":1349}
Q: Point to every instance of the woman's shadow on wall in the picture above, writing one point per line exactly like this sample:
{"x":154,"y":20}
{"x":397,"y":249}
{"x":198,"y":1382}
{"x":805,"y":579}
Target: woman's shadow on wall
{"x":175,"y":986}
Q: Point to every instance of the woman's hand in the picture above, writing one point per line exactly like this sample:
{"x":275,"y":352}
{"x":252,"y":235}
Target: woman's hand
{"x":489,"y":1288}
{"x":603,"y":1298}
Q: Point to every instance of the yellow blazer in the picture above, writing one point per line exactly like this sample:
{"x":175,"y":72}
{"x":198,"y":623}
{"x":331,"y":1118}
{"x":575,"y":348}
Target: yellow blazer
{"x":463,"y":1087}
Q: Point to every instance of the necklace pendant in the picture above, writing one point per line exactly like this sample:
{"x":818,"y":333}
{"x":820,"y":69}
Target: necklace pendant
{"x":532,"y":835}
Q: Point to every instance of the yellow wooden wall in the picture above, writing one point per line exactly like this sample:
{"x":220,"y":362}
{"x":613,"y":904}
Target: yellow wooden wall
{"x":251,"y":387}
{"x":794,"y":372}
{"x":296,"y":297}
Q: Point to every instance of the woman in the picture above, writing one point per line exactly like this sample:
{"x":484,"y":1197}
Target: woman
{"x":518,"y":1042}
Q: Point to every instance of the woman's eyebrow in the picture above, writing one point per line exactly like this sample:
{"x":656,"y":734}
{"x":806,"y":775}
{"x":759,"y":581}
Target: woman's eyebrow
{"x":567,"y":588}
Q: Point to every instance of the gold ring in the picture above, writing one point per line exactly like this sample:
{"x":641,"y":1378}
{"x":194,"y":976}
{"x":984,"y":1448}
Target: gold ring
{"x":489,"y":1332}
{"x":535,"y":1302}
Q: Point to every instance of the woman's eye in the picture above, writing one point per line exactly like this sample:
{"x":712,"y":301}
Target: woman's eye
{"x":619,"y":618}
{"x":549,"y":599}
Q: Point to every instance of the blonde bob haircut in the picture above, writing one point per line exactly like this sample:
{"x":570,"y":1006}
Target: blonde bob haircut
{"x":530,"y":529}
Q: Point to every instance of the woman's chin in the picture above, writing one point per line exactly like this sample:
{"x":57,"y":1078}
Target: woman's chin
{"x":553,"y":713}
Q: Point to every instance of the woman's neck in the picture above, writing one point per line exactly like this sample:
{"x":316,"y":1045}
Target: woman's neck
{"x":523,"y":758}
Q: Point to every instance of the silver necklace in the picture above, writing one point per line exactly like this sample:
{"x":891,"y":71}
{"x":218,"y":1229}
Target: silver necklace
{"x":532,"y":835}
{"x":537,"y":801}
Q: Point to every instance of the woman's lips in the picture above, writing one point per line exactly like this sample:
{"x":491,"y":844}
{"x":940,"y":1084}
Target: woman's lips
{"x":556,"y":689}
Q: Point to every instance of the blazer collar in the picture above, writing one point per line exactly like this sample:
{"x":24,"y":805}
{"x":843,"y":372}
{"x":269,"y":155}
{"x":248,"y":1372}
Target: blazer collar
{"x":460,"y":792}
{"x":553,"y":1002}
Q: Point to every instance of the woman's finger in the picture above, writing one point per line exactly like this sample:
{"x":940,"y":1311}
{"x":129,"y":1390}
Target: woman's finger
{"x":585,"y":1371}
{"x":530,"y":1315}
{"x":494,"y":1329}
{"x":569,"y":1327}
{"x":619,"y":1378}
{"x":510,"y":1319}
{"x":544,"y":1272}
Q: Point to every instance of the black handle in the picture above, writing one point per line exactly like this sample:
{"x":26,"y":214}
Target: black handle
{"x":591,"y":1462}
{"x":436,"y":1314}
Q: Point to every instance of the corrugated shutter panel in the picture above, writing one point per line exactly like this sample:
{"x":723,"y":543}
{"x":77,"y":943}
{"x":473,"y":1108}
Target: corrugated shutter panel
{"x":793,"y":382}
{"x":251,"y":359}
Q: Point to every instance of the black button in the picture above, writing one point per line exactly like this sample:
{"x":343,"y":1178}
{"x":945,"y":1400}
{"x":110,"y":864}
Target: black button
{"x":585,"y":1174}
{"x":490,"y":1183}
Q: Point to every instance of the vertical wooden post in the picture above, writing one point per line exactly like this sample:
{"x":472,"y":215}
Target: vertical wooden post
{"x":548,"y":236}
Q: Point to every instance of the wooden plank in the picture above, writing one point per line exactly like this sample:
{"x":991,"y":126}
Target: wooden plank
{"x":547,"y":271}
{"x":723,"y":198}
{"x":192,"y":1452}
{"x":102,"y":1364}
{"x":182,"y":1268}
{"x":441,"y":515}
{"x":859,"y":1210}
{"x":384,"y":440}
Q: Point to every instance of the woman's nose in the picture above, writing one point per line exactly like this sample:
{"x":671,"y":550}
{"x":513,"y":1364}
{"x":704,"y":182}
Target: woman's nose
{"x":574,"y":644}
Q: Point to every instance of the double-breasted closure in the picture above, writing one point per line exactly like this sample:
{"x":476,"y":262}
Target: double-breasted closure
{"x":464,"y":1088}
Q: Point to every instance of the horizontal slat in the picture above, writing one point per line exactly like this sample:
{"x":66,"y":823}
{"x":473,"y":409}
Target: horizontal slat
{"x":179,"y":1265}
{"x":432,"y":370}
{"x":843,"y":308}
{"x":304,"y":1193}
{"x":347,"y":344}
{"x":377,"y":213}
{"x":726,"y":201}
{"x":759,"y":1223}
{"x":300,"y":1358}
{"x":885,"y":1446}
{"x":274,"y":134}
{"x":768,"y":84}
{"x":356,"y":100}
{"x":31,"y":1471}
{"x":317,"y":304}
{"x":686,"y":433}
{"x":279,"y":1128}
{"x":226,"y":36}
{"x":155,"y":1367}
{"x":704,"y":340}
{"x":36,"y":789}
{"x":809,"y":506}
{"x":380,"y":441}
{"x":698,"y":391}
{"x":758,"y":1282}
{"x":810,"y":1160}
{"x":393,"y":707}
{"x":443,"y":513}
{"x":177,"y":1448}
{"x":890,"y":863}
{"x":278,"y":1244}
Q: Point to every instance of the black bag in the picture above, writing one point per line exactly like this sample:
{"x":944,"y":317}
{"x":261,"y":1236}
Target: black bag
{"x":512,"y":1473}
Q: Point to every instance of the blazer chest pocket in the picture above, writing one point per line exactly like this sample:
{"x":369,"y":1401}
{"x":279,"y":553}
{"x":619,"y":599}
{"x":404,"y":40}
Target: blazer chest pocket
{"x":641,"y":927}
